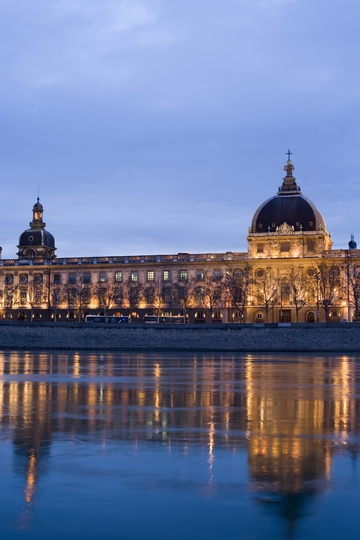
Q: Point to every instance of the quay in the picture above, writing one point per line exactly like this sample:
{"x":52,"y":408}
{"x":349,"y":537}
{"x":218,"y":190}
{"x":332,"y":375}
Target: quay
{"x":321,"y":337}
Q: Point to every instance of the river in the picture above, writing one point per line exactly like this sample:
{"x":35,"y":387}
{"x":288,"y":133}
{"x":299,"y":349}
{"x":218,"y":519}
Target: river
{"x":179,"y":446}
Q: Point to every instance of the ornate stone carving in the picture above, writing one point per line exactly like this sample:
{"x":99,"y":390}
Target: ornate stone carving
{"x":274,"y":247}
{"x":285,"y":228}
{"x":289,"y":167}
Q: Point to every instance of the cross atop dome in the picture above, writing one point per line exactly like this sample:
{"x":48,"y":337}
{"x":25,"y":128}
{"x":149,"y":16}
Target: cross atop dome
{"x":289,"y":186}
{"x":289,"y":167}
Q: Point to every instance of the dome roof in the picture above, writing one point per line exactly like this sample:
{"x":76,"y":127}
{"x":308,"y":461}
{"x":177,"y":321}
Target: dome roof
{"x":352,"y":243}
{"x":38,"y":207}
{"x":36,"y":237}
{"x":288,"y":206}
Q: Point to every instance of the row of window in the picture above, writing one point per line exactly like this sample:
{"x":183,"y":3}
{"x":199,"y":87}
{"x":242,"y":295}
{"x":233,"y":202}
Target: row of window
{"x":311,"y":272}
{"x":134,"y":276}
{"x":85,"y":277}
{"x":23,"y":278}
{"x":285,"y":247}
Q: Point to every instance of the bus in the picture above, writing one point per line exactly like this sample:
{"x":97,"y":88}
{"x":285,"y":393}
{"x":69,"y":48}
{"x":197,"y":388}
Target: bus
{"x":104,"y":319}
{"x":164,"y":319}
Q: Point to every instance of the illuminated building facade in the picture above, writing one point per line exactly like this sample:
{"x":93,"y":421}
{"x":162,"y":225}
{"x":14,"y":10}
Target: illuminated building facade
{"x":289,"y":274}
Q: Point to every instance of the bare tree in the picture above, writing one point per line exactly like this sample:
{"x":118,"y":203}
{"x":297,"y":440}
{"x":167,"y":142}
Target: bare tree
{"x":209,"y":292}
{"x":36,"y":295}
{"x":154,"y":295}
{"x":11,"y":299}
{"x":237,"y":289}
{"x":353,"y":287}
{"x":266,"y":291}
{"x":78,"y":291}
{"x":183,"y":295}
{"x":57,"y":297}
{"x":298,"y":288}
{"x":107,"y":295}
{"x":326,"y":284}
{"x":133,"y":293}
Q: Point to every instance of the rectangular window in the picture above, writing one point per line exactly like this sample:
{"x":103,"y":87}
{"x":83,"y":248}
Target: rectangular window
{"x":23,"y":298}
{"x":118,"y":277}
{"x":311,"y":245}
{"x":167,"y":275}
{"x":200,"y":275}
{"x":217,"y":295}
{"x":182,"y":292}
{"x":102,"y":277}
{"x":167,"y":295}
{"x":150,"y":296}
{"x":183,"y":275}
{"x":57,"y":278}
{"x":86,"y":296}
{"x":38,"y":297}
{"x":285,"y":247}
{"x":134,"y":296}
{"x":87,"y":277}
{"x":150,"y":275}
{"x":200,"y":293}
{"x":72,"y":278}
{"x":285,"y":316}
{"x":260,"y":248}
{"x":72,"y":297}
{"x":217,"y":275}
{"x":134,"y":276}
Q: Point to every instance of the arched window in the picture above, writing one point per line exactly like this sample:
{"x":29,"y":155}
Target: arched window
{"x":310,"y":317}
{"x":259,"y":317}
{"x":334,"y":315}
{"x":200,"y":317}
{"x":217,"y":317}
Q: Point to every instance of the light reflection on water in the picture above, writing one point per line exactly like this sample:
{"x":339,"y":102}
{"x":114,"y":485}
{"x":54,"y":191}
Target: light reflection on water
{"x":179,"y":446}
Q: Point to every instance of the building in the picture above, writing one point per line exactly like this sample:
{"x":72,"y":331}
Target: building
{"x":289,"y":274}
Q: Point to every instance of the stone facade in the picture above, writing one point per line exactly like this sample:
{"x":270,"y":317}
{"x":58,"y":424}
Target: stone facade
{"x":289,"y":274}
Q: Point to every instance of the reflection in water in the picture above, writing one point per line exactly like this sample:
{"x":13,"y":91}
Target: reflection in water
{"x":290,"y":414}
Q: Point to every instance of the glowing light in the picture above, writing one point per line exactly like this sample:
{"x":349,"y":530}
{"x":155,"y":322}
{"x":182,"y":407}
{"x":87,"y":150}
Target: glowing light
{"x":30,"y":478}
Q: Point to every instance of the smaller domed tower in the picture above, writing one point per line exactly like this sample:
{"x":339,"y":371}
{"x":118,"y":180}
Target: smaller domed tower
{"x":352,"y":243}
{"x":36,"y":242}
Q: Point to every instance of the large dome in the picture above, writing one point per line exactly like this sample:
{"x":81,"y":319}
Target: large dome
{"x":288,"y":206}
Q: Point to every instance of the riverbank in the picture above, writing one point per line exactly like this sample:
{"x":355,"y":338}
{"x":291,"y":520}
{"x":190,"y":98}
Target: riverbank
{"x":344,"y":337}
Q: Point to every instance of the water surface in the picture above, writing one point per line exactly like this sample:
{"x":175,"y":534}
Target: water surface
{"x":179,"y":446}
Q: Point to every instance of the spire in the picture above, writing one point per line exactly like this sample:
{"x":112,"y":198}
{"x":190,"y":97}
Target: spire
{"x":289,"y":186}
{"x":37,"y":221}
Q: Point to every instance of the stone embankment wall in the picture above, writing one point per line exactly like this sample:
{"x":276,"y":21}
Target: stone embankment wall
{"x":263,"y":338}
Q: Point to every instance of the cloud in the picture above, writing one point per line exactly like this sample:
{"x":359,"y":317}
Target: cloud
{"x":64,"y":42}
{"x":151,"y":110}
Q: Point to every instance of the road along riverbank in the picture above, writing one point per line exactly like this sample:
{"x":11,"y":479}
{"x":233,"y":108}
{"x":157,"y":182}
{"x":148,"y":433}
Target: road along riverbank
{"x":344,"y":337}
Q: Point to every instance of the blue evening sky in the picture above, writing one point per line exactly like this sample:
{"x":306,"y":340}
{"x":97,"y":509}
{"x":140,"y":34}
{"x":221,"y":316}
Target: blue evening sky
{"x":159,"y":126}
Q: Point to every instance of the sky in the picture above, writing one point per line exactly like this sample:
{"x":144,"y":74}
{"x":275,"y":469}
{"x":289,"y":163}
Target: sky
{"x":159,"y":126}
